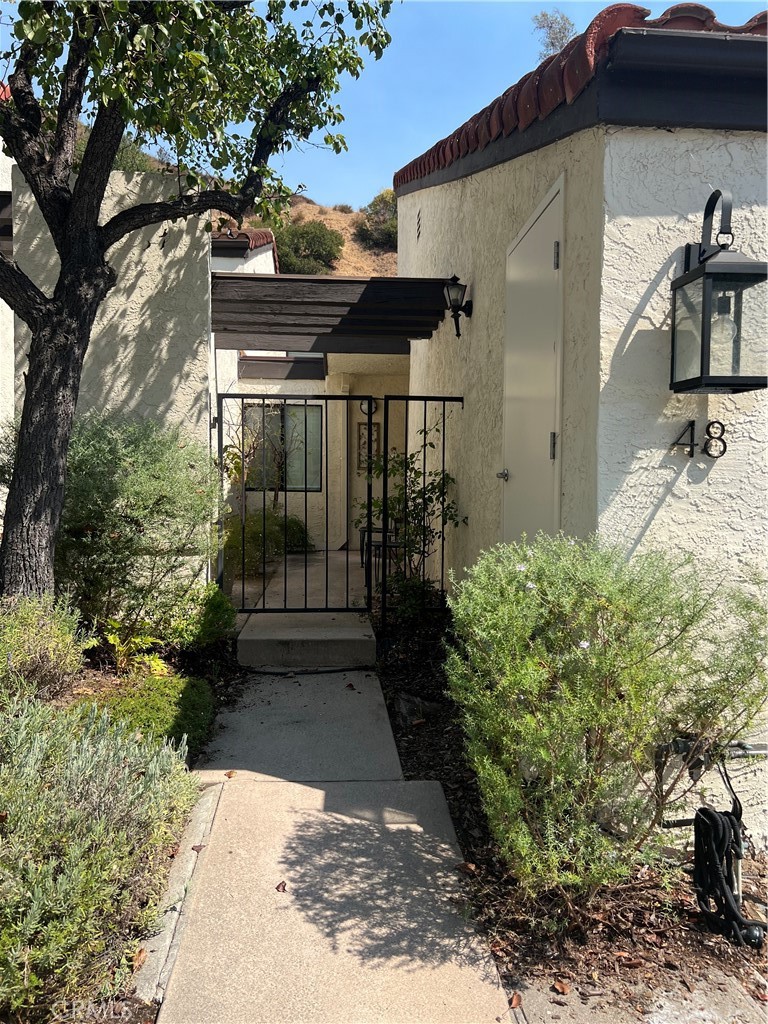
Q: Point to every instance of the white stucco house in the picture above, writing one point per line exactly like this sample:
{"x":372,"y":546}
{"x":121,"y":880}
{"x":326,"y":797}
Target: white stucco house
{"x":565,"y":205}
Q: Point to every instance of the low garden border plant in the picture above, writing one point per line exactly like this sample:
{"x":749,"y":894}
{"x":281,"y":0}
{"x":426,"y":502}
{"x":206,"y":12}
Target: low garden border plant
{"x":88,"y":813}
{"x":572,"y":665}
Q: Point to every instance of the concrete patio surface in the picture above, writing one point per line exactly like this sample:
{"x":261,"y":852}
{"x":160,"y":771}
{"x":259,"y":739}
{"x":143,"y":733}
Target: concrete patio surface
{"x":326,"y":890}
{"x":324,"y":726}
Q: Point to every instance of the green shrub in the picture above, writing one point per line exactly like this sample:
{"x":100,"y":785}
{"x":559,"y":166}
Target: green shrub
{"x":203,"y":616}
{"x":164,"y":705}
{"x":307,"y":248}
{"x":41,"y":645}
{"x":136,"y":521}
{"x":266,"y":537}
{"x":571,"y":665}
{"x":89,"y":812}
{"x":378,"y":227}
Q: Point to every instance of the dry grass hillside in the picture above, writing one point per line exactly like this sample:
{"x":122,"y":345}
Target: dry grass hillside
{"x":355,"y":261}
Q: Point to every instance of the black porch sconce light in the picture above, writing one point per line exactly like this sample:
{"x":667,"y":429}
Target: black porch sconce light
{"x":454,"y":298}
{"x":719,"y":313}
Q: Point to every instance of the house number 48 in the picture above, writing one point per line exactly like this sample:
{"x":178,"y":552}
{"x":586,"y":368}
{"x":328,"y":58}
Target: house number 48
{"x":714,"y":446}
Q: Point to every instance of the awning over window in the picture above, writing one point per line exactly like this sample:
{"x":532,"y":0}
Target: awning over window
{"x":324,"y":314}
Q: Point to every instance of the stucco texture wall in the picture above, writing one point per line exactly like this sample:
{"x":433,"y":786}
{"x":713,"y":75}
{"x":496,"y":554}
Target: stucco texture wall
{"x":149,"y":351}
{"x":466,"y":228}
{"x":656,"y":186}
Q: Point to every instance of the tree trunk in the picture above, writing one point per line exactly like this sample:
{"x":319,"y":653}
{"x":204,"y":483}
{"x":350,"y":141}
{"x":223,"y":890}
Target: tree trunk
{"x":36,"y":492}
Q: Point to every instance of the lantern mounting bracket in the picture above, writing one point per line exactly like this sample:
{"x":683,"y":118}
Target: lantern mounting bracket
{"x":697,"y":253}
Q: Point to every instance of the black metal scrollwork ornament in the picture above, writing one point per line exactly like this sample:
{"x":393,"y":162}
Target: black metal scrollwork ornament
{"x":714,"y":446}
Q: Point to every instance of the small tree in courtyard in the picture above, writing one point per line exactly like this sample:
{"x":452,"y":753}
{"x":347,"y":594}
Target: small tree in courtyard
{"x":175,"y":74}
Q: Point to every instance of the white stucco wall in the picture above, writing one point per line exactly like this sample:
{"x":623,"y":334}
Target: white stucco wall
{"x":466,"y":228}
{"x":149,"y":351}
{"x":255,"y":261}
{"x":656,"y":186}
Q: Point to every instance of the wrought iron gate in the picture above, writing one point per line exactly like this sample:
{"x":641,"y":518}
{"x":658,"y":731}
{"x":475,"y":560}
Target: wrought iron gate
{"x":321,"y":510}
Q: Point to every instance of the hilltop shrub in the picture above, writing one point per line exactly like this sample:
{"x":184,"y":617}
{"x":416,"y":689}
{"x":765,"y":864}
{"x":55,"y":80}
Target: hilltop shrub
{"x":136,"y":521}
{"x":307,"y":248}
{"x":89,"y":812}
{"x":41,"y":645}
{"x":378,"y":227}
{"x":571,"y":665}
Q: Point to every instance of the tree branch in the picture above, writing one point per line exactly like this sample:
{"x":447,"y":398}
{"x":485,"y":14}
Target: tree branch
{"x":93,"y":177}
{"x":74,"y":77}
{"x":275,"y":121}
{"x":21,"y":294}
{"x":145,"y":214}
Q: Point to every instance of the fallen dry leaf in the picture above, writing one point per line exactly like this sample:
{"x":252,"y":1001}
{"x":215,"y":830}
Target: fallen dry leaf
{"x":466,"y":867}
{"x":419,"y":721}
{"x":139,"y":957}
{"x":230,"y":774}
{"x":349,"y":686}
{"x":198,"y":847}
{"x":280,"y":887}
{"x":558,"y":1002}
{"x":3,"y":817}
{"x":515,"y":1001}
{"x":561,"y":986}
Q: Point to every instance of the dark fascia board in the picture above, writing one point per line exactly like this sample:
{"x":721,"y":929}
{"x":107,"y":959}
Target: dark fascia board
{"x":231,"y":247}
{"x":282,"y":369}
{"x":660,"y":79}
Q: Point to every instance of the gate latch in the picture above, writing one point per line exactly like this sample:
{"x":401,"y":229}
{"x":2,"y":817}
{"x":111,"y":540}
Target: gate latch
{"x":503,"y":475}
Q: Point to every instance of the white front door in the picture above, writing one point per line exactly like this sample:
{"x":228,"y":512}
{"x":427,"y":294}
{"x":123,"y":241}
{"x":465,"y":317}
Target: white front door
{"x":532,"y":360}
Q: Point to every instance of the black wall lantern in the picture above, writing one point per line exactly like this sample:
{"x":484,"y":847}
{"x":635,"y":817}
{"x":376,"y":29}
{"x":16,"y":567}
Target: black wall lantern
{"x":719,"y":314}
{"x":454,"y":298}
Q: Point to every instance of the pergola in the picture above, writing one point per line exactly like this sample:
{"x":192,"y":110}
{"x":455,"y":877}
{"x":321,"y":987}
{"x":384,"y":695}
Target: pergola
{"x":306,"y":313}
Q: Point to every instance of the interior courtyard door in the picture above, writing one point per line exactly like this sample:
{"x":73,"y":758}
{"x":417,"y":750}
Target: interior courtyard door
{"x":532,"y":370}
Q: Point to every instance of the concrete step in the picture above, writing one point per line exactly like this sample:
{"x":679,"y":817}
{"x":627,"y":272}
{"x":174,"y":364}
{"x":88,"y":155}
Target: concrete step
{"x":315,"y":640}
{"x":330,"y":903}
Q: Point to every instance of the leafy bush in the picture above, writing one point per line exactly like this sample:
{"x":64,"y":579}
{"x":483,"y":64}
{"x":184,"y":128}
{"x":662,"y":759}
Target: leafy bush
{"x":265,"y":538}
{"x":378,"y":227}
{"x":41,"y":645}
{"x":164,"y":705}
{"x":136,"y":521}
{"x":343,"y":208}
{"x":572,"y":665}
{"x":307,"y":248}
{"x":202,"y":617}
{"x":89,"y":812}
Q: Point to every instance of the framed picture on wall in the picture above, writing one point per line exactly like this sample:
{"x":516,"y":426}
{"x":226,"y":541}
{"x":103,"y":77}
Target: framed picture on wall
{"x":362,"y":443}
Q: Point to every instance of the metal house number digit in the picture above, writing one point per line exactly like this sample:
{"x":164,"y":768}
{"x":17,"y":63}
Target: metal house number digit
{"x":714,"y":446}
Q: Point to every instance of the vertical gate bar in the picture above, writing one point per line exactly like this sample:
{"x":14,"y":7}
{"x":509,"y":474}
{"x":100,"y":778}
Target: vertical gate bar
{"x":283,"y":482}
{"x":325,"y":434}
{"x":242,"y":502}
{"x":368,"y":506}
{"x":406,"y":559}
{"x":306,"y":508}
{"x":263,"y":502}
{"x":424,"y":497}
{"x":345,"y":407}
{"x":385,"y":515}
{"x":220,"y":523}
{"x":442,"y":505}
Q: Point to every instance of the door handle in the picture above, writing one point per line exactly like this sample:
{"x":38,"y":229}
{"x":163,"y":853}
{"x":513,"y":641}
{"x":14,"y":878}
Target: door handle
{"x":503,"y":475}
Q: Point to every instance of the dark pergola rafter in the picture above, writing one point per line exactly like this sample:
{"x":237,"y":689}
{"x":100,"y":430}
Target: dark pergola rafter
{"x":324,"y":314}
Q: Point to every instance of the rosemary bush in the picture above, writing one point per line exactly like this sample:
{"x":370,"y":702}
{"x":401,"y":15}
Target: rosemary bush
{"x":89,"y":811}
{"x":571,"y":665}
{"x":41,"y":645}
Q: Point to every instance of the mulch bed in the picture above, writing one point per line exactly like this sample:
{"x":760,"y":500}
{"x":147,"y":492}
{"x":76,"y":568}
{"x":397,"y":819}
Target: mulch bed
{"x":643,"y":933}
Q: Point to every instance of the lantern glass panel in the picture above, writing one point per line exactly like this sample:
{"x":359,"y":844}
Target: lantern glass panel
{"x":737,"y":338}
{"x":688,"y":310}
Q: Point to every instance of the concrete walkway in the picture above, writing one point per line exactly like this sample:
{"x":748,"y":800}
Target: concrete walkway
{"x":325,"y":892}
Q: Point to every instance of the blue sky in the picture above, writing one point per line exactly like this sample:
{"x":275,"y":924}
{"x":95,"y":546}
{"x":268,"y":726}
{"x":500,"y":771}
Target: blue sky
{"x":447,"y":60}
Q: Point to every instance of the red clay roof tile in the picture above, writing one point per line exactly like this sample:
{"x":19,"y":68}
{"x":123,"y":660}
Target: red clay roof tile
{"x":561,"y":78}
